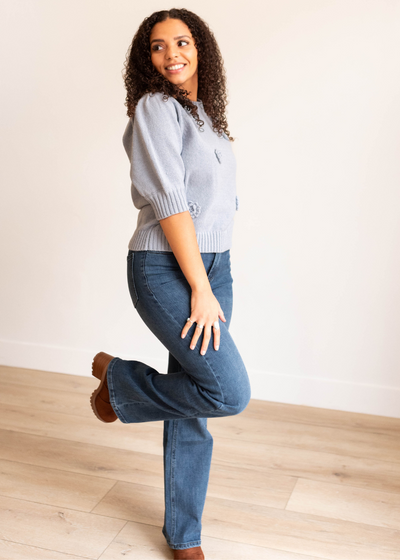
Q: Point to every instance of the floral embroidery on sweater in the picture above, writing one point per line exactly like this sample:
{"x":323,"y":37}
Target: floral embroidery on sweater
{"x":194,"y":209}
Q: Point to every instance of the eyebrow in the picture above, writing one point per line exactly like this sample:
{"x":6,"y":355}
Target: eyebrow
{"x":175,"y":39}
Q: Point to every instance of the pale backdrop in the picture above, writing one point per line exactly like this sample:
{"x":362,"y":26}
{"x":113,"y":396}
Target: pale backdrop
{"x":314,"y":105}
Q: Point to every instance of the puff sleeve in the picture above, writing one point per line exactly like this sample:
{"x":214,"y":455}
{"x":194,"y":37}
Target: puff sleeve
{"x":154,"y":147}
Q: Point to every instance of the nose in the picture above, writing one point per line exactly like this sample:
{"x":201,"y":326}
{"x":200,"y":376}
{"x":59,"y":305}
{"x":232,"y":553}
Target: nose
{"x":171,"y":52}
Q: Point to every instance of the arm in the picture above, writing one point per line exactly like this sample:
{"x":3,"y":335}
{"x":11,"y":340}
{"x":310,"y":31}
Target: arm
{"x":158,"y":174}
{"x":181,"y":235}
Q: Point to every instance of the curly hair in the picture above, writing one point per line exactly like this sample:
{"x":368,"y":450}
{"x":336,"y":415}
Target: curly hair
{"x":140,"y":76}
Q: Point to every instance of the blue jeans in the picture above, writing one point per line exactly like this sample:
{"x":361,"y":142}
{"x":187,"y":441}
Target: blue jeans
{"x":196,"y":388}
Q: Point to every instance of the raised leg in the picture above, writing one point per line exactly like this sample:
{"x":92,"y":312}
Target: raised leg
{"x":209,"y":386}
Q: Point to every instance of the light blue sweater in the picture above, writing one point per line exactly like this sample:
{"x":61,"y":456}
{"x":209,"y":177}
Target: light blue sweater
{"x":175,"y":167}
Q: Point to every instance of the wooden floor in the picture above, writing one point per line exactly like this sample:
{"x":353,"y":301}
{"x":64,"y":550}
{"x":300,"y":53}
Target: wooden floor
{"x":287,"y":482}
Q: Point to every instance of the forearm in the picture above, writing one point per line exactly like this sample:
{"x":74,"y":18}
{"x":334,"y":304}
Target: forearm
{"x":205,"y":309}
{"x":181,"y":235}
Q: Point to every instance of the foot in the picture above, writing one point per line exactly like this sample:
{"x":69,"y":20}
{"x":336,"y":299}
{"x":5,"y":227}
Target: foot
{"x":100,"y":399}
{"x":189,"y":554}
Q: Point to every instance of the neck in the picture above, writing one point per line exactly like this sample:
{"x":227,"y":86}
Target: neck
{"x":192,"y":87}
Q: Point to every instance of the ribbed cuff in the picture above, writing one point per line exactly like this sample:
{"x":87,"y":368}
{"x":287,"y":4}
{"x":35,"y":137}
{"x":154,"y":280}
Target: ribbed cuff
{"x":168,"y":203}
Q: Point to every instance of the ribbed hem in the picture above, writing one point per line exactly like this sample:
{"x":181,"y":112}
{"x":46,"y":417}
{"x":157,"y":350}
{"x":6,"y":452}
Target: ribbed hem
{"x":166,"y":204}
{"x":153,"y":239}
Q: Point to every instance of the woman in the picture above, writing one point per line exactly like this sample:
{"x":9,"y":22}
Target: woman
{"x":183,"y":183}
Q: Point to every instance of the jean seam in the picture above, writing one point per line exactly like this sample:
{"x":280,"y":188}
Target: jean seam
{"x":183,"y":546}
{"x":131,"y":261}
{"x":213,"y":266}
{"x":219,"y":384}
{"x":172,"y":479}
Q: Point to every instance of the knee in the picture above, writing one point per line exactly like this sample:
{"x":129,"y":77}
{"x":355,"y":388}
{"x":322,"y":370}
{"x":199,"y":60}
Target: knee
{"x":239,"y":402}
{"x":231,"y":396}
{"x":244,"y":399}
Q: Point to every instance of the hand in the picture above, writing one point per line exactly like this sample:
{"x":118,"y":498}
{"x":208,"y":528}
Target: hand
{"x":205,"y":311}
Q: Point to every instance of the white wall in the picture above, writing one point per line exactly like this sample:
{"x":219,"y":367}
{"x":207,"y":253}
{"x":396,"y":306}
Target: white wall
{"x":314,"y":89}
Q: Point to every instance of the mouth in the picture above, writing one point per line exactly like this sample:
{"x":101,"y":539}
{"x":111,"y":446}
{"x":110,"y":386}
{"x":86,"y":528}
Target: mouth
{"x":175,"y":68}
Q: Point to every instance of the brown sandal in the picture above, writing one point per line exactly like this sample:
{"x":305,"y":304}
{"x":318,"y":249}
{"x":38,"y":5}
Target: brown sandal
{"x":100,"y":399}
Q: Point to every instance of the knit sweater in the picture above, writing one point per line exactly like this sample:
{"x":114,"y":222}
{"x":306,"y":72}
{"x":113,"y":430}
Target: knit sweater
{"x":175,"y":167}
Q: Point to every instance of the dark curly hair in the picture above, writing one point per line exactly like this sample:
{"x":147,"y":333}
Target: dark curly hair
{"x":141,"y":77}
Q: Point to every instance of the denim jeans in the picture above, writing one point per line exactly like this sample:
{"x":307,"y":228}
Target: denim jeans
{"x":196,"y":388}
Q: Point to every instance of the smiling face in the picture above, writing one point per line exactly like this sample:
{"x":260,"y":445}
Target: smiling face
{"x":174,"y":54}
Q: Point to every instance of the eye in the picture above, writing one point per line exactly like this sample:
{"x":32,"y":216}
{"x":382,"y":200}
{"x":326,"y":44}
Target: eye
{"x":158,"y":47}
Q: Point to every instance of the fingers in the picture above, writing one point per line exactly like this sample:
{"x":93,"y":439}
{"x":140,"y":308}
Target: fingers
{"x":186,"y":328}
{"x":217,"y":335}
{"x":208,"y":331}
{"x":221,"y":315}
{"x":197,"y":332}
{"x":206,"y":340}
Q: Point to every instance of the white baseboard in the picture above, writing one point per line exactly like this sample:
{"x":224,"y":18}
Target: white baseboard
{"x":326,"y":393}
{"x":291,"y":389}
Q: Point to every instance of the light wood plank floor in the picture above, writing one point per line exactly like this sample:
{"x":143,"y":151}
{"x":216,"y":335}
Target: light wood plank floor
{"x":287,"y":482}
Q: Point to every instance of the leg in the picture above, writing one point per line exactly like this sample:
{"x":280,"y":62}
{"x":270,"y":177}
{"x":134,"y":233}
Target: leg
{"x":197,"y":386}
{"x":187,"y":459}
{"x":208,"y":386}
